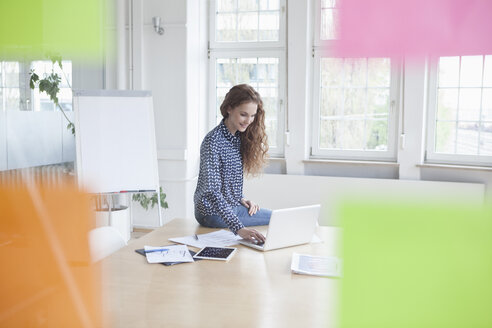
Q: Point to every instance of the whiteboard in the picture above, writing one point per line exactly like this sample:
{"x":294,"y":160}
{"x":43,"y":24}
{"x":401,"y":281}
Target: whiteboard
{"x":115,"y":141}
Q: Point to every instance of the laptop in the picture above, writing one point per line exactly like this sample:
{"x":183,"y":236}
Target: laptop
{"x":289,"y":227}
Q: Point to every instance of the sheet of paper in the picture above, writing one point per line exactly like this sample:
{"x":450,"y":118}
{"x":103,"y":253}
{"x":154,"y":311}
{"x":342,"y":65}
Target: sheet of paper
{"x":172,"y":253}
{"x":328,"y":266}
{"x":220,"y":238}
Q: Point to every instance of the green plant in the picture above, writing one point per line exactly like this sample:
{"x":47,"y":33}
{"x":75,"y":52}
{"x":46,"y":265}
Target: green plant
{"x":50,"y":84}
{"x":145,"y":200}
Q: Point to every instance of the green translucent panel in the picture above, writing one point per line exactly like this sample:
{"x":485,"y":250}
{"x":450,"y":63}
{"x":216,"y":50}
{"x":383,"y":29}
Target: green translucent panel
{"x":415,"y":265}
{"x":377,"y":134}
{"x":445,"y":137}
{"x":469,"y":104}
{"x":379,"y":72}
{"x":447,"y":104}
{"x":331,"y":72}
{"x":330,"y":134}
{"x":226,"y":28}
{"x":378,"y":101}
{"x":471,"y":71}
{"x":247,"y":26}
{"x":467,"y":138}
{"x":269,"y":26}
{"x":355,"y":101}
{"x":331,"y":102}
{"x":353,"y":134}
{"x":355,"y":72}
{"x":486,"y":139}
{"x":71,"y":28}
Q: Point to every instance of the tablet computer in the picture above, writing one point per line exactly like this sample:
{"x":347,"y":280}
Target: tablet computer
{"x":215,"y":253}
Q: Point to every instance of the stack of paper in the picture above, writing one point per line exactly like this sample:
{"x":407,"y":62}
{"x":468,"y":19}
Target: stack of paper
{"x":171,"y":253}
{"x":326,"y":266}
{"x":220,"y":238}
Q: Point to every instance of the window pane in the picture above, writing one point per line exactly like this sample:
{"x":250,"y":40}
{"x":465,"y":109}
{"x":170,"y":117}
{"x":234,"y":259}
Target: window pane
{"x":447,"y":104}
{"x":247,"y":5}
{"x":248,"y":27}
{"x":355,"y":72}
{"x":269,"y":26}
{"x":269,"y":4}
{"x":247,"y":70}
{"x":226,"y":27}
{"x":378,"y":101}
{"x":11,"y":71}
{"x":377,"y":134}
{"x":487,"y":105}
{"x":331,"y":102}
{"x":226,"y":72}
{"x":330,"y":134}
{"x":445,"y":137}
{"x":268,"y":72}
{"x":487,"y":73}
{"x":378,"y":72}
{"x":353,"y":134}
{"x":486,"y":139}
{"x":1,"y":100}
{"x":329,"y":24}
{"x":331,"y":72}
{"x":12,"y":98}
{"x":471,"y":71}
{"x":469,"y":104}
{"x":226,"y":5}
{"x":449,"y":71}
{"x":467,"y":141}
{"x":355,"y":102}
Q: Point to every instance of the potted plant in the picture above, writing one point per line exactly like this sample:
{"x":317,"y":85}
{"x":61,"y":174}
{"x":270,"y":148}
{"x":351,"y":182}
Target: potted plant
{"x":146,"y":200}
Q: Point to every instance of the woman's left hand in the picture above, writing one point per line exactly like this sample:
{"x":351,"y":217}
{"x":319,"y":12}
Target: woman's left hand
{"x":252,"y":207}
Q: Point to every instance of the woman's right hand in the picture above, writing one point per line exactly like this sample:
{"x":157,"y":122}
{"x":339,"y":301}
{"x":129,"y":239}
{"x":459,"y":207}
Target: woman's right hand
{"x":251,"y":235}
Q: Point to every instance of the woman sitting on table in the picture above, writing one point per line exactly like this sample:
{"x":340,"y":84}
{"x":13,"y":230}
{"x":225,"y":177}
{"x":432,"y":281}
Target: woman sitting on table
{"x":238,"y":142}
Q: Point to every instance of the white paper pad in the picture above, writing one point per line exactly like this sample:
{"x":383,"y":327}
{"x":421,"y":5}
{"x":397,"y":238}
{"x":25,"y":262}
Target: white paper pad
{"x":173,"y":253}
{"x":328,"y":266}
{"x":221,"y":238}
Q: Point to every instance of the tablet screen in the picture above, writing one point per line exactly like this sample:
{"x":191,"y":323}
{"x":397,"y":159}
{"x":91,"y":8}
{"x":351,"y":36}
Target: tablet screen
{"x":217,"y":253}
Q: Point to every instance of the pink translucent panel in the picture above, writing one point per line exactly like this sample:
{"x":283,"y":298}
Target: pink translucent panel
{"x":417,"y":27}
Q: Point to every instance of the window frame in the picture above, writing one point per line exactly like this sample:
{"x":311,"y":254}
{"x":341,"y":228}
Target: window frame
{"x":432,"y":157}
{"x":277,"y":151}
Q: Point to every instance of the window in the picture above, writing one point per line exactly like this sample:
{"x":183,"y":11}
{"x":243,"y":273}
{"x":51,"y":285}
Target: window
{"x":15,"y":93}
{"x":460,"y":110}
{"x":247,"y":46}
{"x":354,"y":99}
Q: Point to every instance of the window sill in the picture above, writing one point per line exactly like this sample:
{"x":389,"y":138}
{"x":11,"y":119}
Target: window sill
{"x":351,"y":162}
{"x":459,"y":167}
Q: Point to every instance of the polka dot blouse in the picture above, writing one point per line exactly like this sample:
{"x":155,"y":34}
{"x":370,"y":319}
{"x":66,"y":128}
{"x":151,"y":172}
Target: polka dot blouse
{"x":220,"y":181}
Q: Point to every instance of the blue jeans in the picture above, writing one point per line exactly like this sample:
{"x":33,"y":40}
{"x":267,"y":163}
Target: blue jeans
{"x":262,"y":217}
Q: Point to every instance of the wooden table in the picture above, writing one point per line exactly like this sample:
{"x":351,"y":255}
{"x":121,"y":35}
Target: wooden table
{"x":253,"y":289}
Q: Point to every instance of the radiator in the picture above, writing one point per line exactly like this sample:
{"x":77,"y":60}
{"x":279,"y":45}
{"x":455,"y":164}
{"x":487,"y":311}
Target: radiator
{"x":47,"y":175}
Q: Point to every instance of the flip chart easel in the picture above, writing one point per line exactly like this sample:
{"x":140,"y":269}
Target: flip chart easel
{"x":115,"y":142}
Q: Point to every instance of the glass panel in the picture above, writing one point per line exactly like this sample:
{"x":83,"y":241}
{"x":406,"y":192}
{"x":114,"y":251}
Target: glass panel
{"x":329,"y":24}
{"x":471,"y":71}
{"x":330,"y":134}
{"x":247,"y":71}
{"x":269,"y":26}
{"x":445,"y":137}
{"x":12,"y":98}
{"x":487,"y":73}
{"x":226,"y":27}
{"x":268,"y":72}
{"x":226,"y":72}
{"x":486,"y":139}
{"x":355,"y":72}
{"x":328,"y":3}
{"x":467,"y":141}
{"x":221,"y":93}
{"x":378,"y":72}
{"x":248,"y":27}
{"x":1,"y":98}
{"x":331,"y":102}
{"x":469,"y":104}
{"x":377,"y":134}
{"x":271,"y":131}
{"x":449,"y":71}
{"x":487,"y":104}
{"x":355,"y":102}
{"x":353,"y":134}
{"x":378,"y":101}
{"x":270,"y":105}
{"x":65,"y":98}
{"x":247,"y":5}
{"x":226,"y":5}
{"x":11,"y":74}
{"x":331,"y":72}
{"x":447,"y":104}
{"x":269,"y":5}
